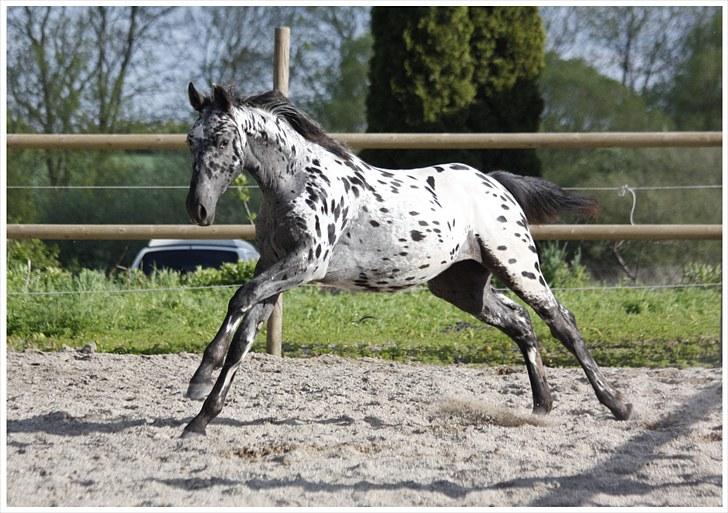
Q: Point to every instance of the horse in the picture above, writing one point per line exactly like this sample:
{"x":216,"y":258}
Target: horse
{"x":329,"y":217}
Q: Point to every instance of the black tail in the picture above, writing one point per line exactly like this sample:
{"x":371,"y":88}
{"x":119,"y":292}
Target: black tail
{"x":542,"y":200}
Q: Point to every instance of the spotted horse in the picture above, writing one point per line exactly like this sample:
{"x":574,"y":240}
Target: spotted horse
{"x":329,"y":217}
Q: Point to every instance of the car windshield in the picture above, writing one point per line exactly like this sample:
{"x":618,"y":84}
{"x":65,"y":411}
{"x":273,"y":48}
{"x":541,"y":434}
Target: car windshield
{"x":186,"y":260}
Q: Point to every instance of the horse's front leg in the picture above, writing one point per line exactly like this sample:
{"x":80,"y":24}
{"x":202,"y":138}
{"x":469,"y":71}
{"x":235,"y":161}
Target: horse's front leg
{"x":251,"y":304}
{"x":244,"y":338}
{"x":201,"y":383}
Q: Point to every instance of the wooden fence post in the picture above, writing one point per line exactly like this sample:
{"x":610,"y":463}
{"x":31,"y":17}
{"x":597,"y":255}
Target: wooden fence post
{"x":274,"y":335}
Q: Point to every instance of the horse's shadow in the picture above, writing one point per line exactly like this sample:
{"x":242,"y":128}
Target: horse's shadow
{"x":63,"y":424}
{"x":613,"y":475}
{"x":445,"y":487}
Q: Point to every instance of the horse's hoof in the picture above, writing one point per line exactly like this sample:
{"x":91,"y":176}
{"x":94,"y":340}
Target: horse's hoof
{"x":192,"y":434}
{"x":541,"y":410}
{"x":623,"y":413}
{"x":198,"y":391}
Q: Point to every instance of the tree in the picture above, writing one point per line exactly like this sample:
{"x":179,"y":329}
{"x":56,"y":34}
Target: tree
{"x":639,"y":46}
{"x":231,"y":54}
{"x":578,"y":98}
{"x":343,"y":108}
{"x":421,"y":69}
{"x":329,"y":55}
{"x":693,"y":98}
{"x":459,"y":69}
{"x":69,"y":68}
{"x":334,"y":62}
{"x":509,"y":45}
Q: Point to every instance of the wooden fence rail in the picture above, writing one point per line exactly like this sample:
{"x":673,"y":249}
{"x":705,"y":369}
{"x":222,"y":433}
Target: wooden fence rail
{"x":552,"y":140}
{"x":247,"y":231}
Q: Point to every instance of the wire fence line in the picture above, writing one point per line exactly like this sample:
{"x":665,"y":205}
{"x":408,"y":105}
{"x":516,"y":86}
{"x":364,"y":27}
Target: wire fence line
{"x":116,"y":187}
{"x":213,"y":287}
{"x":185,"y":187}
{"x":645,"y":188}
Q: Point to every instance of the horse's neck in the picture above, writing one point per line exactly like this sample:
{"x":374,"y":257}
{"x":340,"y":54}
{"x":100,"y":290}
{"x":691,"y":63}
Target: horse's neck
{"x":274,"y":149}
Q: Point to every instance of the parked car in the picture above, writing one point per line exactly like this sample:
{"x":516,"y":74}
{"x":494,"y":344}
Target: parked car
{"x":186,"y":255}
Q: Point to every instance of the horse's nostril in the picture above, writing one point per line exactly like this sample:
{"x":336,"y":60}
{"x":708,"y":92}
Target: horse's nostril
{"x":201,"y":213}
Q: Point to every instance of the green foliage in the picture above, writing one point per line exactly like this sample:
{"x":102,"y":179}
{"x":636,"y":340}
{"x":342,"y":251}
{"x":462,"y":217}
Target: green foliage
{"x":504,"y":55}
{"x":702,"y":273}
{"x":345,"y":108}
{"x":508,"y":47}
{"x":621,"y":327}
{"x":24,"y":168}
{"x":560,"y":270}
{"x":34,"y":253}
{"x":242,"y":192}
{"x":455,"y":69}
{"x":230,"y":273}
{"x":421,"y":67}
{"x":579,"y":99}
{"x":694,"y":97}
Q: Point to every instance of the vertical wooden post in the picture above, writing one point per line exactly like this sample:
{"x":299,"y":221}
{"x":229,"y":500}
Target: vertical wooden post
{"x":274,"y":335}
{"x":280,"y":59}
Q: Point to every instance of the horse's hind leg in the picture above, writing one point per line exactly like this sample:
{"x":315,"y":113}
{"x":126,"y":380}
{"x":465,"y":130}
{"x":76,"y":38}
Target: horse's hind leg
{"x":562,"y":324}
{"x":239,"y":347}
{"x":523,"y":276}
{"x":466,"y":285}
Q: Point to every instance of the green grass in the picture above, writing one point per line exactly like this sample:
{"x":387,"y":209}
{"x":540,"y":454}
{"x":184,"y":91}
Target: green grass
{"x":621,"y":327}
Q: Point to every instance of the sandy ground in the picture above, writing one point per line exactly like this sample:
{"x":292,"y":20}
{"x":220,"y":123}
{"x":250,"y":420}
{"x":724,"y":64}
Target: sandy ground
{"x":101,"y":429}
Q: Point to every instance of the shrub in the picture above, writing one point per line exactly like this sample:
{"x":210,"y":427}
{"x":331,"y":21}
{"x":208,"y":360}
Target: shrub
{"x":558,"y":271}
{"x":701,"y":273}
{"x":456,"y":69}
{"x":33,"y":253}
{"x":228,"y":274}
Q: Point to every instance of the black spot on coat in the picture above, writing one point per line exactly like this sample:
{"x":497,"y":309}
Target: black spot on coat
{"x":416,"y":236}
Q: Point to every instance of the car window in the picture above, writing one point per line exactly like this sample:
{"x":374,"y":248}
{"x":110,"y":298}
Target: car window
{"x":186,"y":260}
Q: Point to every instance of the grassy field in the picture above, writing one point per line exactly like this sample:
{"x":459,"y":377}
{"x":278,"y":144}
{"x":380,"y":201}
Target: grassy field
{"x":622,"y":327}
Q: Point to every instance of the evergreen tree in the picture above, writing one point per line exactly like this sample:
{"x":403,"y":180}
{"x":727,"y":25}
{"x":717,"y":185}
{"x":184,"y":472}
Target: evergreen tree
{"x":508,"y":45}
{"x":456,"y":69}
{"x":694,"y":100}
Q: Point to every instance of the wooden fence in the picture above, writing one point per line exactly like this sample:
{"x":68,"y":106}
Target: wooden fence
{"x":247,"y":231}
{"x":555,"y":140}
{"x":361,"y":141}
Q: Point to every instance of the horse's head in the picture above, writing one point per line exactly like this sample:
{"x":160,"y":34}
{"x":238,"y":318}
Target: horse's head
{"x":218,"y":149}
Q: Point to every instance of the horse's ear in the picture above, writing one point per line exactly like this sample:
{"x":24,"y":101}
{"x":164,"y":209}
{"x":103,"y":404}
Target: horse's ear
{"x":196,"y":99}
{"x":221,"y":97}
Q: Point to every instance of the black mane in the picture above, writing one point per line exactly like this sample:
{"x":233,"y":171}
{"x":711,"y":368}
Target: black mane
{"x":278,"y":105}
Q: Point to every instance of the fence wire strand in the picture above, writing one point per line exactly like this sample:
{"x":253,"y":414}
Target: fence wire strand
{"x":215,"y":287}
{"x":173,"y":187}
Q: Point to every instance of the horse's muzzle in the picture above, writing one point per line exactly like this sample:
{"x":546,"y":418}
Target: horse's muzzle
{"x":198,"y":212}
